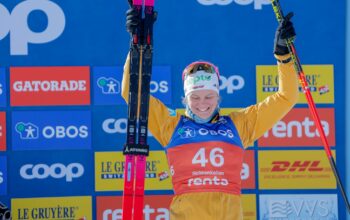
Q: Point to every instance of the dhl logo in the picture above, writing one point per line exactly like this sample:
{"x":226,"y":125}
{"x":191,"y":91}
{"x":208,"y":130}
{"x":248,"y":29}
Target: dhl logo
{"x":308,"y":165}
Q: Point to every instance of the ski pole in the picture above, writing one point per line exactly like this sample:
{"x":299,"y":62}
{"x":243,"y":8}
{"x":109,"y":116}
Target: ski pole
{"x":279,"y":15}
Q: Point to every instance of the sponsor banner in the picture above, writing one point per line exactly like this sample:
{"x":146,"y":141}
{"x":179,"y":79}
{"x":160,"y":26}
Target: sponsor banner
{"x":40,"y":86}
{"x":42,"y":130}
{"x":108,"y":85}
{"x":320,"y":81}
{"x":253,"y":4}
{"x":62,"y":208}
{"x":248,"y":170}
{"x":109,"y":171}
{"x":298,"y":128}
{"x":3,"y":175}
{"x":3,"y":88}
{"x":249,"y":206}
{"x":155,"y":207}
{"x":308,"y":169}
{"x":37,"y":174}
{"x":3,"y":131}
{"x":109,"y":130}
{"x":301,"y":207}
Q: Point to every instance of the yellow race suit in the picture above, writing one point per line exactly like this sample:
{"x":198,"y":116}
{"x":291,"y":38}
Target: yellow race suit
{"x":250,"y":123}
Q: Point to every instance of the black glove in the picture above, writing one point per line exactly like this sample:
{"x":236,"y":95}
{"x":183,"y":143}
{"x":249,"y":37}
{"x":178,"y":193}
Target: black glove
{"x":284,"y":32}
{"x":133,"y":20}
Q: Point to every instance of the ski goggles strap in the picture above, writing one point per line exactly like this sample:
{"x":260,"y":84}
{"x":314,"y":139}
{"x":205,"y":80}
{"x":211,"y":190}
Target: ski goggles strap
{"x":200,"y":65}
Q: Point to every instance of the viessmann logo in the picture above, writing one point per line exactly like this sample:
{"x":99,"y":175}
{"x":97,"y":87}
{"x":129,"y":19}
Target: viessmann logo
{"x":50,"y":86}
{"x":303,"y":207}
{"x":298,"y":128}
{"x":51,"y":130}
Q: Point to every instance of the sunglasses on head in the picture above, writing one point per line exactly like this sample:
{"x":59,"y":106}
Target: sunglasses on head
{"x":200,"y":66}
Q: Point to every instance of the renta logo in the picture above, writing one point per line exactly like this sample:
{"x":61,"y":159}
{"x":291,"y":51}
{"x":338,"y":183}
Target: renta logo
{"x":155,"y":207}
{"x":32,"y":86}
{"x":298,"y":128}
{"x":16,"y":24}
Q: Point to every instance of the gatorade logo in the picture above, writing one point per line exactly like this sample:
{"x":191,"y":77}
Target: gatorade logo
{"x":32,"y":86}
{"x":16,"y":24}
{"x":258,"y":4}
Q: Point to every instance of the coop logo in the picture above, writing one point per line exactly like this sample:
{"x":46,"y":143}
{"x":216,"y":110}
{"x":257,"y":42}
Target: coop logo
{"x":3,"y":175}
{"x":3,"y":131}
{"x":232,"y":83}
{"x":51,"y":130}
{"x":155,"y":207}
{"x":108,"y":85}
{"x":56,"y":171}
{"x":258,"y":4}
{"x":301,"y":207}
{"x":63,"y":208}
{"x":116,"y":126}
{"x":38,"y":86}
{"x":16,"y":24}
{"x":297,"y":128}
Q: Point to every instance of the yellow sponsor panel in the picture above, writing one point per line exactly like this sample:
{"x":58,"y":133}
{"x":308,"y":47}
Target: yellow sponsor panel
{"x":62,"y":208}
{"x":249,"y":206}
{"x":320,"y":79}
{"x":300,"y":169}
{"x":109,"y":171}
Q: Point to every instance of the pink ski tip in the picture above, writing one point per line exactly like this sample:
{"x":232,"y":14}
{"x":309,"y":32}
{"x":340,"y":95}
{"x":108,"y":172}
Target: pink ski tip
{"x":137,"y":2}
{"x":149,"y":2}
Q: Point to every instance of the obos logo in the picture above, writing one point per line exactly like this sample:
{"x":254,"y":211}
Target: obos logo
{"x":155,"y":207}
{"x":50,"y":86}
{"x":63,"y":208}
{"x":51,"y":130}
{"x":189,"y":132}
{"x":16,"y":24}
{"x":3,"y":175}
{"x":56,"y":171}
{"x":3,"y":87}
{"x":109,"y":79}
{"x":3,"y":131}
{"x":298,"y":129}
{"x":315,"y":206}
{"x":257,"y":3}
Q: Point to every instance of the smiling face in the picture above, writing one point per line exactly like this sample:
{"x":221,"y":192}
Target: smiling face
{"x":203,"y":102}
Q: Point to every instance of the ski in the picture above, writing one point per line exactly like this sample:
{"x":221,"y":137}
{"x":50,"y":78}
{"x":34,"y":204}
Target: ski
{"x":279,"y":15}
{"x":136,"y":149}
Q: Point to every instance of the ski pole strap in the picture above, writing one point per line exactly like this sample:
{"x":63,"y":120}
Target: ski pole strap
{"x":136,"y":149}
